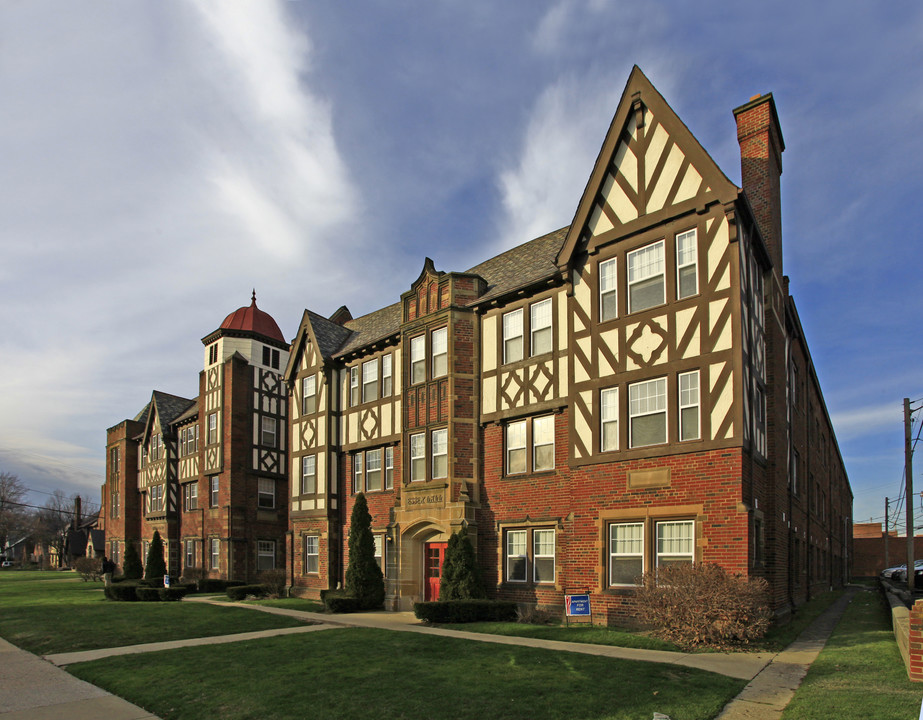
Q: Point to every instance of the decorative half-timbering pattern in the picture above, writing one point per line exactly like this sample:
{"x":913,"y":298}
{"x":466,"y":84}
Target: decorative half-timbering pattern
{"x":212,"y":428}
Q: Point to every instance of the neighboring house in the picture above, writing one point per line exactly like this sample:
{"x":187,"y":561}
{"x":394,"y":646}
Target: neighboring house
{"x":873,"y":551}
{"x":629,"y":391}
{"x":208,"y":472}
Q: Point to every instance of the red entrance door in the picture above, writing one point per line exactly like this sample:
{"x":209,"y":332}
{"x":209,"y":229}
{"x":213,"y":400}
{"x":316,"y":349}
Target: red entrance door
{"x":433,"y":555}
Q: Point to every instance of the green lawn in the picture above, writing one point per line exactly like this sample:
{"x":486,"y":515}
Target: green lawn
{"x":357,"y":673}
{"x":50,"y":612}
{"x":860,"y":673}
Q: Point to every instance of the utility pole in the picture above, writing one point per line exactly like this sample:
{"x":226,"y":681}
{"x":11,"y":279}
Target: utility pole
{"x":887,"y":562}
{"x":908,"y":465}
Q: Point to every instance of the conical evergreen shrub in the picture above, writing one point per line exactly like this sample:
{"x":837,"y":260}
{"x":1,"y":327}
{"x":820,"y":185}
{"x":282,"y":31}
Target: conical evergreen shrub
{"x":132,"y":569}
{"x":461,"y":579}
{"x":364,"y":580}
{"x":155,"y":567}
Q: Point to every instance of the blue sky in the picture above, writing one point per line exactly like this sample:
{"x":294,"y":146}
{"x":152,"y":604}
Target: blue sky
{"x":163,"y":158}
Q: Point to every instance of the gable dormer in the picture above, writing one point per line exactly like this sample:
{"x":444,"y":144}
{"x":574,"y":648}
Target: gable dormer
{"x":436,"y":290}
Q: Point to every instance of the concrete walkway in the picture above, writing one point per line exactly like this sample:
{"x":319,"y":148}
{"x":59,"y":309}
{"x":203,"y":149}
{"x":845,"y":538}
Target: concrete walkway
{"x":39,"y":690}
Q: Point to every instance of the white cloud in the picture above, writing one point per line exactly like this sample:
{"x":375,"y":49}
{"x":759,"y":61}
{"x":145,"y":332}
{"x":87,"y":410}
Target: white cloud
{"x":867,"y":420}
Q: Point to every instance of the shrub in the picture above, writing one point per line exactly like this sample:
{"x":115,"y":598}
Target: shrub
{"x":125,"y":591}
{"x":148,"y":594}
{"x":214,"y":585}
{"x":171,"y":594}
{"x":192,"y":576}
{"x":155,"y":567}
{"x":339,"y":601}
{"x":89,"y":568}
{"x":274,"y":581}
{"x":131,"y":565}
{"x":364,"y":580}
{"x":702,"y":605}
{"x":461,"y":579}
{"x":462,"y":611}
{"x":240,"y":592}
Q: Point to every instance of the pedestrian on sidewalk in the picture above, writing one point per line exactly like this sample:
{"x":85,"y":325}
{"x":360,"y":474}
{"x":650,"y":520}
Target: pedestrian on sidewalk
{"x":108,"y":569}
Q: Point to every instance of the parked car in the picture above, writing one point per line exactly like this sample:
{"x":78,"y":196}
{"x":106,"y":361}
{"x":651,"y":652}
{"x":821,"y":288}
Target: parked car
{"x":888,"y":573}
{"x":900,"y":574}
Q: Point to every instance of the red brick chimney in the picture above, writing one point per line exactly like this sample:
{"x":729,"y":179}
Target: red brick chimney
{"x":761,"y":147}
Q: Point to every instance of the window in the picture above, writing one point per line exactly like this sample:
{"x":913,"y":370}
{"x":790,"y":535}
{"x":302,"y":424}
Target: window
{"x":271,"y":357}
{"x":189,"y":440}
{"x":535,"y":561}
{"x":114,"y":462}
{"x":370,"y":380}
{"x":191,"y":496}
{"x":418,"y":359}
{"x":265,"y":555}
{"x":354,"y":386}
{"x":308,"y":475}
{"x":440,"y":351}
{"x":154,"y":499}
{"x":512,"y":336}
{"x":189,"y":552}
{"x":646,"y":277}
{"x":440,"y":453}
{"x":212,"y":436}
{"x":311,"y":554}
{"x":357,"y":472}
{"x":268,"y":431}
{"x":608,"y":301}
{"x":630,"y":554}
{"x":308,"y":395}
{"x":214,"y":553}
{"x":266,"y":493}
{"x":689,"y":405}
{"x":389,"y":468}
{"x":114,"y":505}
{"x":379,"y":550}
{"x":373,"y":470}
{"x":156,"y":447}
{"x":213,"y":491}
{"x":417,"y":457}
{"x":387,"y":382}
{"x":647,"y":412}
{"x":114,"y":551}
{"x":213,"y":353}
{"x":540,"y":327}
{"x":609,"y":418}
{"x":535,"y":433}
{"x":687,"y":277}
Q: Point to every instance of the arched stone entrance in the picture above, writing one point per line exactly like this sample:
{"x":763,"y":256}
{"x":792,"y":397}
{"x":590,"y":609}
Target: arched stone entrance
{"x":419,"y":547}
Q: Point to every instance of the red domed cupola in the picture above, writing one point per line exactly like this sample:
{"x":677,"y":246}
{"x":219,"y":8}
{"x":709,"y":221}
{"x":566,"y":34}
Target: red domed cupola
{"x":252,"y":319}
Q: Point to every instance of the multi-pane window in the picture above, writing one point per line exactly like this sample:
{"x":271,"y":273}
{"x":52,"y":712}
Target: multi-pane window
{"x":440,"y":351}
{"x":156,"y":447}
{"x":418,"y":457}
{"x":271,"y":357}
{"x":647,"y":412}
{"x":646,"y":277}
{"x":389,"y":468}
{"x":213,"y":491}
{"x":370,"y":380}
{"x":512,"y":336}
{"x":155,"y":499}
{"x":536,"y":434}
{"x":626,"y":553}
{"x":689,"y":405}
{"x":114,"y":462}
{"x":213,"y":353}
{"x":354,"y":386}
{"x":308,"y":394}
{"x":675,"y":542}
{"x":608,"y":301}
{"x":265,"y":555}
{"x":114,"y":551}
{"x":525,"y":560}
{"x":212,"y":436}
{"x":266,"y":493}
{"x":189,"y":440}
{"x":540,"y":327}
{"x":373,"y":470}
{"x":609,"y":419}
{"x":214,"y":547}
{"x":631,"y":554}
{"x":440,"y":453}
{"x":687,"y":276}
{"x":268,"y":431}
{"x":358,"y":471}
{"x":311,"y":554}
{"x":379,"y":550}
{"x":418,"y":359}
{"x":387,"y":376}
{"x":114,"y":505}
{"x":308,"y":474}
{"x":189,"y":561}
{"x":191,"y":496}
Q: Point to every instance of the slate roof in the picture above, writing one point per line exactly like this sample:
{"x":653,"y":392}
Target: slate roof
{"x":170,"y":407}
{"x":142,"y":416}
{"x":330,"y":336}
{"x":375,"y":326}
{"x":190,"y":413}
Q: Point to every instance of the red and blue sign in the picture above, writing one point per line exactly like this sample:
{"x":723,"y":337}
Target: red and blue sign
{"x":577,"y":605}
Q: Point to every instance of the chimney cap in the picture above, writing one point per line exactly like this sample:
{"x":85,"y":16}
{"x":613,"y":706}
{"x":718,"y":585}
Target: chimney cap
{"x":756,"y":101}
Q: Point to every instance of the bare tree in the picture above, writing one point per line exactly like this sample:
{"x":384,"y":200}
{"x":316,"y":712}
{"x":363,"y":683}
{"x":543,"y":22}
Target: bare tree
{"x":53,"y":520}
{"x":12,"y":511}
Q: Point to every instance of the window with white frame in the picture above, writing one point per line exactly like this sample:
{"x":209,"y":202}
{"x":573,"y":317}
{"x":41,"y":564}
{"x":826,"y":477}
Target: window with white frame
{"x":687,"y":276}
{"x":268,"y":431}
{"x":418,"y":359}
{"x":608,"y":300}
{"x":379,"y":550}
{"x":387,"y":376}
{"x":609,"y":419}
{"x":540,"y":327}
{"x":266,"y":493}
{"x":114,"y":552}
{"x":191,"y":496}
{"x":631,"y":554}
{"x":308,"y":474}
{"x":358,"y":471}
{"x":440,"y":440}
{"x":417,"y":457}
{"x":114,"y":504}
{"x":311,"y":554}
{"x":265,"y":555}
{"x":373,"y":470}
{"x":512,"y":336}
{"x":440,"y":351}
{"x":530,"y":445}
{"x":646,"y":277}
{"x":308,"y":395}
{"x":529,"y":555}
{"x":647,"y":412}
{"x":626,"y":553}
{"x":189,"y":560}
{"x":675,"y":542}
{"x":214,"y":553}
{"x":212,"y":435}
{"x":354,"y":386}
{"x":689,"y":406}
{"x":213,"y":491}
{"x":370,"y":380}
{"x":389,"y":468}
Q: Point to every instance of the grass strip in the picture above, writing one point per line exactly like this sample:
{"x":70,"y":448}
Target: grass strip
{"x":358,"y":672}
{"x":860,"y":673}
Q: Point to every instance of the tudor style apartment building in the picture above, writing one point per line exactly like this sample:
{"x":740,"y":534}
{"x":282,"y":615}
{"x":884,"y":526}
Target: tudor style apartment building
{"x":632,"y":390}
{"x":208,"y":473}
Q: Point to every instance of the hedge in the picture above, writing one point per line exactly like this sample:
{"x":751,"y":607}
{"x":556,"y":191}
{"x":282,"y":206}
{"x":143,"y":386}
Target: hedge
{"x":132,"y":590}
{"x":123,"y":591}
{"x":213,"y":585}
{"x":338,"y":601}
{"x":239,"y":592}
{"x":462,"y":611}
